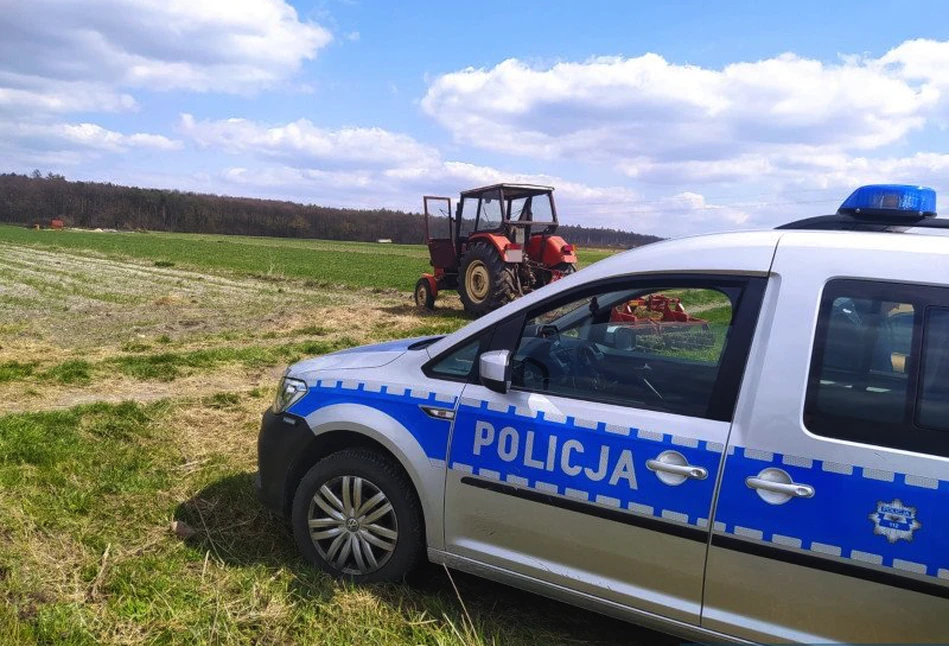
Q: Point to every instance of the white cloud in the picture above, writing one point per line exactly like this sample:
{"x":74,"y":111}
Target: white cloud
{"x":210,"y":45}
{"x":387,"y":168}
{"x":302,"y":143}
{"x":402,"y":188}
{"x":60,"y":97}
{"x":920,"y":60}
{"x":70,"y":143}
{"x":652,"y":119}
{"x":61,"y":57}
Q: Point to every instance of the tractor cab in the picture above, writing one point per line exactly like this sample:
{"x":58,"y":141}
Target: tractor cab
{"x":497,"y":244}
{"x":513,"y":210}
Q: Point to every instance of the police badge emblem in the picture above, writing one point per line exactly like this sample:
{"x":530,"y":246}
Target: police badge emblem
{"x":894,"y":520}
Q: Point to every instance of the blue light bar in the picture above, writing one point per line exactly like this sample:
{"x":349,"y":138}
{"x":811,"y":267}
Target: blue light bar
{"x":891,"y":200}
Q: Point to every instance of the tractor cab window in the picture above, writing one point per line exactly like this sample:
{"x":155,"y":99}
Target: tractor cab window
{"x":655,"y":349}
{"x":483,"y":213}
{"x":469,"y":211}
{"x":489,"y":212}
{"x":535,"y":208}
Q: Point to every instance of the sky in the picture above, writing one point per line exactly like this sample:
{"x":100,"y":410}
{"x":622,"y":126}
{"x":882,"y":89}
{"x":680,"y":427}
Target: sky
{"x":670,"y":118}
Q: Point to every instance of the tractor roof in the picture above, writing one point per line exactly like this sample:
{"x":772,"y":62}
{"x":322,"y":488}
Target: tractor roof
{"x":511,"y":191}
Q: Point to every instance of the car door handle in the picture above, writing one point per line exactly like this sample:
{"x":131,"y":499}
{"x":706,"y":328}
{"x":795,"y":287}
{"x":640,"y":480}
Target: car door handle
{"x":686,"y":470}
{"x":793,"y":489}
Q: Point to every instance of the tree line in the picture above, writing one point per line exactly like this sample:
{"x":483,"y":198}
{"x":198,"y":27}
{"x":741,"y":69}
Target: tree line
{"x":38,"y":199}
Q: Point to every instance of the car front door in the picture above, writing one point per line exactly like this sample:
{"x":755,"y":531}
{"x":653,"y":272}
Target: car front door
{"x":832,"y":522}
{"x":595,"y":471}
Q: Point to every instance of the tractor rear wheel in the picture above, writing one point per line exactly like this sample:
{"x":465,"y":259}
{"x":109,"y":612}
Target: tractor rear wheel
{"x":423,"y":294}
{"x":486,"y":281}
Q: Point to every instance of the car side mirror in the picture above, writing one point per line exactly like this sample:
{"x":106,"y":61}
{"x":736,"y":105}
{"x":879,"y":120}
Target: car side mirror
{"x":494,"y":370}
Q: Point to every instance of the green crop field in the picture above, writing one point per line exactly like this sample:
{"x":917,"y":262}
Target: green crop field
{"x":359,"y":264}
{"x":133,"y":371}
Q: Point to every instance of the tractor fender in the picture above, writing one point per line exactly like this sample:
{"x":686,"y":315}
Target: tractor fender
{"x":427,"y":474}
{"x":498,"y":241}
{"x":550,"y":250}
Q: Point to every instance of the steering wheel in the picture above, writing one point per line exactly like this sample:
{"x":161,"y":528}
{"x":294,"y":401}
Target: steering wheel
{"x":589,"y":356}
{"x":531,"y":373}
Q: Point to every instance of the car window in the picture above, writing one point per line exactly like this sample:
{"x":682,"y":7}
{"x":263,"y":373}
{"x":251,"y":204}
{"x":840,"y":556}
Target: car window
{"x":933,"y":405}
{"x":652,"y":348}
{"x":880,"y":366}
{"x":863,"y":371}
{"x":458,"y":364}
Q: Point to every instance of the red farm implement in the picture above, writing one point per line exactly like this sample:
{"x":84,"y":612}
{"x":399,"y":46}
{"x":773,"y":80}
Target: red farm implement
{"x":660,"y":320}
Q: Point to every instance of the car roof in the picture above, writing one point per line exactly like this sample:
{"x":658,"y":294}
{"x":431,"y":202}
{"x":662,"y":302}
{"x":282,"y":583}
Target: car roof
{"x":882,"y":242}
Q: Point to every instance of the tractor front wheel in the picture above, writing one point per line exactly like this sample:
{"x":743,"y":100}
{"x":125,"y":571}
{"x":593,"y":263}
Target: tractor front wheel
{"x":486,"y":282}
{"x":423,"y":294}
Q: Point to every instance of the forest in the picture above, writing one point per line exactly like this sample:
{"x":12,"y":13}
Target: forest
{"x":38,"y":199}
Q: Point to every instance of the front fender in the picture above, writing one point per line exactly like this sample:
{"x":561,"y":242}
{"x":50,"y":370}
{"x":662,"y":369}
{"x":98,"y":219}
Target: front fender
{"x":427,"y":474}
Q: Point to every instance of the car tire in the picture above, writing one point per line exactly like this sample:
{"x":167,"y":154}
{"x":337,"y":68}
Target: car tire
{"x":485,"y":281}
{"x":389,"y":545}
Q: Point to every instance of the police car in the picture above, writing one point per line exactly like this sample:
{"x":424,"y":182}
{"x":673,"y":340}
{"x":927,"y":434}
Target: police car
{"x":768,"y":460}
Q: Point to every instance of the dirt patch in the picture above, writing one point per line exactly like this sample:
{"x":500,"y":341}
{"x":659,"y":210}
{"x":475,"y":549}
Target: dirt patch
{"x":71,"y":300}
{"x":58,"y":306}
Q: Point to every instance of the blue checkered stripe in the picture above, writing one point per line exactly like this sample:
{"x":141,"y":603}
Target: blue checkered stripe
{"x":836,"y":522}
{"x":398,"y":401}
{"x":542,"y":434}
{"x":840,"y":520}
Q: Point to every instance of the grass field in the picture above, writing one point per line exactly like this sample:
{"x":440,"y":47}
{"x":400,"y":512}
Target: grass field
{"x":321,"y":262}
{"x":133,"y":371}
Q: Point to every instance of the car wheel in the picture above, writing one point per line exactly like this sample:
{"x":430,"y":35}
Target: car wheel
{"x":356,"y":516}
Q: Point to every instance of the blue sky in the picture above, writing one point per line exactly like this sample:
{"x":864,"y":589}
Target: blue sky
{"x":669,"y":118}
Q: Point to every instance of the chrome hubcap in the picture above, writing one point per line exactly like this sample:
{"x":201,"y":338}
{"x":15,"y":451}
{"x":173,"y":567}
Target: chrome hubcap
{"x":352,"y":525}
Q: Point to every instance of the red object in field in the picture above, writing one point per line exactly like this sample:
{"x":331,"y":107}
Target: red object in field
{"x":659,"y":321}
{"x":669,"y":307}
{"x":56,"y":224}
{"x":498,"y":244}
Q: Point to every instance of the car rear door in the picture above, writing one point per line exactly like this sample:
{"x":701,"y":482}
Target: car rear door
{"x":832,"y":521}
{"x":595,"y":472}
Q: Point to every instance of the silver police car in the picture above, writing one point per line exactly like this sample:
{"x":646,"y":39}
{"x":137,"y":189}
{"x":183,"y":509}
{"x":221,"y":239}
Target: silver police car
{"x":737,"y":437}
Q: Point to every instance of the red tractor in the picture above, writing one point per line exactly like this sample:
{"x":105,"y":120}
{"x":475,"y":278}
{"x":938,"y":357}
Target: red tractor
{"x":500,"y":244}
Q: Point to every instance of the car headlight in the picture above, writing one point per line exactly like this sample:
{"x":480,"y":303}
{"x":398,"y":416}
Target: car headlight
{"x":289,"y":392}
